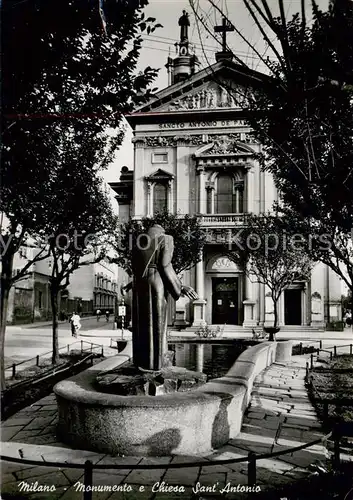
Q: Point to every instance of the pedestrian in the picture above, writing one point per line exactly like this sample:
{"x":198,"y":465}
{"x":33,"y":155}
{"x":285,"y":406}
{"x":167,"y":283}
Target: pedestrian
{"x":107,"y":314}
{"x":98,"y":313}
{"x":75,"y":321}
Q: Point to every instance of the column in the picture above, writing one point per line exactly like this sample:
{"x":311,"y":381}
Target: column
{"x":199,"y":357}
{"x":139,"y":200}
{"x":185,"y":192}
{"x":149,"y":199}
{"x":249,"y":302}
{"x":250,"y":190}
{"x":202,"y":190}
{"x":170,"y":196}
{"x":199,"y":304}
{"x":212,"y":199}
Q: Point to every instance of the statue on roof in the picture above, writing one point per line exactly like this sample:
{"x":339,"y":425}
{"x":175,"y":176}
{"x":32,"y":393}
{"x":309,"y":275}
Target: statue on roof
{"x":184,"y":23}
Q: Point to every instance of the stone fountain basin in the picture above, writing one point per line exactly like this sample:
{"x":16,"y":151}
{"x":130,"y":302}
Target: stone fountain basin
{"x":188,"y":423}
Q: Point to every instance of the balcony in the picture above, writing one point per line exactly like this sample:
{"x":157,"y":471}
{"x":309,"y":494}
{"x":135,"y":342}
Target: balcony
{"x":223,"y":220}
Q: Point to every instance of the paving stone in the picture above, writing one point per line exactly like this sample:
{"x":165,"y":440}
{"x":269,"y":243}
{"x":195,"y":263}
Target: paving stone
{"x":72,"y":493}
{"x":108,"y":477}
{"x":174,"y":496}
{"x":148,"y":476}
{"x":33,"y":472}
{"x":136,"y":494}
{"x":9,"y":432}
{"x":108,"y":460}
{"x":235,"y":478}
{"x":51,"y":429}
{"x":11,"y":422}
{"x":186,"y":477}
{"x":73,"y":475}
{"x":215,"y":469}
{"x":256,"y":414}
{"x":210,"y":479}
{"x":7,"y":478}
{"x":290,"y":432}
{"x":46,"y":439}
{"x":10,"y":467}
{"x":10,"y":489}
{"x":51,"y":495}
{"x":39,"y":423}
{"x":22,"y":435}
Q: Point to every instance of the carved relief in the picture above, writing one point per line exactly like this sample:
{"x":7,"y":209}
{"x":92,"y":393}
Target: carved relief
{"x":172,"y":141}
{"x":211,"y":98}
{"x":223,"y":144}
{"x":224,"y":263}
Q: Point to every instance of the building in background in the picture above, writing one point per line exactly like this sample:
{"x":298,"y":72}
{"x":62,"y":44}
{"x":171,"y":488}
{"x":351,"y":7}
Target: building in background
{"x":92,"y":287}
{"x":195,"y":153}
{"x":95,"y":286}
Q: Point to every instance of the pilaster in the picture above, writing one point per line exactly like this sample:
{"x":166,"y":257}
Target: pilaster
{"x":139,"y":208}
{"x":199,"y":304}
{"x":202,"y":190}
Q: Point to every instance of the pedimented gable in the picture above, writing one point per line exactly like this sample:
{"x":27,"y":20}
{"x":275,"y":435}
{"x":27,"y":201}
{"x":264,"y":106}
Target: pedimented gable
{"x":210,"y":95}
{"x":160,"y":175}
{"x":224,"y":144}
{"x":221,"y":86}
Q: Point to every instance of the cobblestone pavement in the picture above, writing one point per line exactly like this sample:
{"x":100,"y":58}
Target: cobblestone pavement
{"x":280,"y":416}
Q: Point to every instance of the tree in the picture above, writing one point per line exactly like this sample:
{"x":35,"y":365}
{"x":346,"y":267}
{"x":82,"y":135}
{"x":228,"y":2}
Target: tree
{"x":271,"y":256}
{"x":303,"y":117}
{"x":82,"y":236}
{"x":64,"y":97}
{"x":189,"y":239}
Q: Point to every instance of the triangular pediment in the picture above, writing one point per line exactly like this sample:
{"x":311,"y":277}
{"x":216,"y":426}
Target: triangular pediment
{"x":224,"y":85}
{"x":160,"y":175}
{"x":224,"y":144}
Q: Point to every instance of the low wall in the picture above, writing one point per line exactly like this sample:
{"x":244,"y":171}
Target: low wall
{"x":188,"y":423}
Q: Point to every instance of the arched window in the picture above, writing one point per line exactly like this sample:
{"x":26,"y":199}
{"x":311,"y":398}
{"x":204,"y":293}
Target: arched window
{"x":160,"y":197}
{"x":225,"y":202}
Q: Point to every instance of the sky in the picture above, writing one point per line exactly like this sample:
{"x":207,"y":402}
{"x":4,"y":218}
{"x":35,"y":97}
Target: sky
{"x":159,"y":44}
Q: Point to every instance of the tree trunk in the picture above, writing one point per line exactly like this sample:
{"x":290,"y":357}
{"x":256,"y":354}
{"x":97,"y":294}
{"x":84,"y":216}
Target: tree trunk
{"x":54,"y":292}
{"x":6,"y":275}
{"x":275,"y":303}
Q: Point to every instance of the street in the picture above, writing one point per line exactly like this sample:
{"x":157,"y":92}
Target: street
{"x":25,"y":342}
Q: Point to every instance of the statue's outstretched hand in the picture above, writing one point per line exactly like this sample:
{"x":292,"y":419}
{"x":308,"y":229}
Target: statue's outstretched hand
{"x":124,"y":289}
{"x":188,"y":291}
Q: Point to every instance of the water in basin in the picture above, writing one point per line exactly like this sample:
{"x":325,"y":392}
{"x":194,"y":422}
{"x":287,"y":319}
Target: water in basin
{"x":213,"y":359}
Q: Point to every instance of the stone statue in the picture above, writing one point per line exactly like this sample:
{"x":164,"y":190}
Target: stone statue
{"x":184,"y":23}
{"x":153,"y":280}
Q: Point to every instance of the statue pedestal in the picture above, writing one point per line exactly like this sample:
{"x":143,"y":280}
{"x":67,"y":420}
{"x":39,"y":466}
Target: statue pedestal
{"x":199,"y":312}
{"x":249,"y":320}
{"x":180,"y":313}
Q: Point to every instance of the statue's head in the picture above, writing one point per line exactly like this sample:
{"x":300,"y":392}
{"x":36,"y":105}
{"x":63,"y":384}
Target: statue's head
{"x":155,"y":230}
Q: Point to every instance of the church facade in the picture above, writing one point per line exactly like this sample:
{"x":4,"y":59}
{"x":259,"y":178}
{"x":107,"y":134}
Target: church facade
{"x":194,"y":153}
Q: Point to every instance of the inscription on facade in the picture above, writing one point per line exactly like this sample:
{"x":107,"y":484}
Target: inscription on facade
{"x":203,"y":124}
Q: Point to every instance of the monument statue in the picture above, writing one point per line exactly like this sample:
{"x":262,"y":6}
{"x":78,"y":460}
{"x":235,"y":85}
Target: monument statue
{"x":184,"y":24}
{"x":154,"y":279}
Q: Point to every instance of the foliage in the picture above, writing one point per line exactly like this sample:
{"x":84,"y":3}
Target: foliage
{"x":81,"y":235}
{"x":189,"y":239}
{"x":207,"y":332}
{"x":270,"y":255}
{"x":303,"y":117}
{"x":64,"y":97}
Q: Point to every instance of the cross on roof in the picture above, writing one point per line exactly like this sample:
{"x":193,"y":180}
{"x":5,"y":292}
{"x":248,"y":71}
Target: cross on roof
{"x":226,"y":26}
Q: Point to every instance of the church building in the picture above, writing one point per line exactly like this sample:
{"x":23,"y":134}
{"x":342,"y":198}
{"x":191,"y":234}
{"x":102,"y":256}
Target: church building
{"x":194,"y":153}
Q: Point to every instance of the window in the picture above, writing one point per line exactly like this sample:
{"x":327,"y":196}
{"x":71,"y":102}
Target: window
{"x":160,"y":198}
{"x":225,"y":202}
{"x":159,"y":157}
{"x":40,"y":299}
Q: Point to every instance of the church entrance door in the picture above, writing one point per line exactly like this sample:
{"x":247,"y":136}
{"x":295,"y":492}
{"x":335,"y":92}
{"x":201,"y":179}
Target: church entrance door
{"x":225,"y":301}
{"x":293,"y":306}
